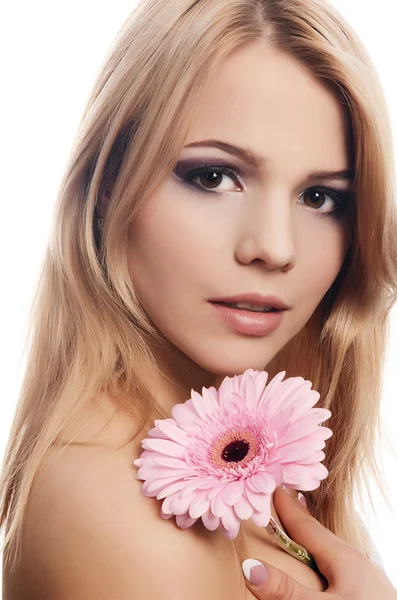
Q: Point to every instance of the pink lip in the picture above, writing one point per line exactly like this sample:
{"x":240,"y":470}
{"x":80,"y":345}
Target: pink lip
{"x":254,"y":298}
{"x":249,"y":322}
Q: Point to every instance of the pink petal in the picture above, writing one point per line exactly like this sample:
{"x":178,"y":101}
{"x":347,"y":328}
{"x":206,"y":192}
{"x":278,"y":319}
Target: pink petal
{"x":165,"y":515}
{"x":181,"y":504}
{"x":167,"y":461}
{"x":231,"y":524}
{"x":233,"y":491}
{"x":171,"y":430}
{"x":276,"y":470}
{"x":193,"y":485}
{"x":171,"y":489}
{"x":183,"y":412}
{"x":201,"y":406}
{"x":151,"y":487}
{"x":317,"y":456}
{"x":218,"y":487}
{"x":263,"y":482}
{"x":200,"y":504}
{"x":304,"y":426}
{"x":261,"y":519}
{"x":156,"y":433}
{"x":210,"y":521}
{"x":152,"y":472}
{"x":296,"y":474}
{"x":167,"y":505}
{"x":211,"y":397}
{"x":164,"y":446}
{"x":304,"y":447}
{"x":225,"y":391}
{"x":306,"y":402}
{"x":260,"y":502}
{"x":218,"y":507}
{"x":288,"y":392}
{"x":243,"y":509}
{"x":184,"y":521}
{"x":270,"y":396}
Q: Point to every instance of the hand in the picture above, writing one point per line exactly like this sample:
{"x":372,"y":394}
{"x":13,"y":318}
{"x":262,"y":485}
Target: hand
{"x":350,"y":574}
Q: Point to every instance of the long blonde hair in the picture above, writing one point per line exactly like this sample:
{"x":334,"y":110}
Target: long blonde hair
{"x":87,"y":330}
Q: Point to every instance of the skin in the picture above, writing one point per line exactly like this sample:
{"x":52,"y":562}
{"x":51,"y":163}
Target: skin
{"x":262,"y":234}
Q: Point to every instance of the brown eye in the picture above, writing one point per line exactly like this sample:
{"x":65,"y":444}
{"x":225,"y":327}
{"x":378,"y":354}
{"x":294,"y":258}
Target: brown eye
{"x":328,"y":200}
{"x":212,"y":178}
{"x":314,"y":198}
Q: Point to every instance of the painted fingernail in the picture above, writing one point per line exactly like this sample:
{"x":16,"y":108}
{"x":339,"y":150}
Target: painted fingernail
{"x":286,"y":490}
{"x":255,"y":571}
{"x":302,"y":499}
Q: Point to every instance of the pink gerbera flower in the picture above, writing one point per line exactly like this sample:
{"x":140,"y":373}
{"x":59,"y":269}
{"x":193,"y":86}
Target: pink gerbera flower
{"x":225,"y":451}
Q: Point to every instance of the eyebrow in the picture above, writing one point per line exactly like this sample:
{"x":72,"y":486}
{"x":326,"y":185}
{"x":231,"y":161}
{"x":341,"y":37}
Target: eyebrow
{"x":257,"y":160}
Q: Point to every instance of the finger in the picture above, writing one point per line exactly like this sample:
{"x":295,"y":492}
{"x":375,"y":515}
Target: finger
{"x":269,"y":583}
{"x":304,"y":529}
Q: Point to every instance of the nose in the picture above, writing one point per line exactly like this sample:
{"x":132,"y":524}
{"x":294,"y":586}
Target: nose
{"x":266,"y":232}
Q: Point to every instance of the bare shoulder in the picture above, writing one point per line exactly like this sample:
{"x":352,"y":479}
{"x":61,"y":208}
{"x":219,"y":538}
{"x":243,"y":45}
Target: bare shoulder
{"x":91,"y":534}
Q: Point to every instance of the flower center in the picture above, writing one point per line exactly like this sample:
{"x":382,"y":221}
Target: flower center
{"x":235,"y":447}
{"x":235,"y":451}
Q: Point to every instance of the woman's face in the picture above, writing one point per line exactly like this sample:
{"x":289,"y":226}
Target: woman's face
{"x":265,"y":229}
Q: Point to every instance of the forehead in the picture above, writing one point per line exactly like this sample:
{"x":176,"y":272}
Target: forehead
{"x":268,"y":100}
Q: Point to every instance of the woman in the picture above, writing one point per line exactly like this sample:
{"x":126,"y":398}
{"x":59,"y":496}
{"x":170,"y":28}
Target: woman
{"x":227,"y":148}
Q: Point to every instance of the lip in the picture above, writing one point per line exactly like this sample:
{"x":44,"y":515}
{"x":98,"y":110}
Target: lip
{"x":249,"y":322}
{"x":254,"y":298}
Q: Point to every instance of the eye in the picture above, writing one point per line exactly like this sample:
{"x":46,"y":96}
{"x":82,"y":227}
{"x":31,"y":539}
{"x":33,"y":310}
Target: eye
{"x":317,"y":198}
{"x":210,"y":178}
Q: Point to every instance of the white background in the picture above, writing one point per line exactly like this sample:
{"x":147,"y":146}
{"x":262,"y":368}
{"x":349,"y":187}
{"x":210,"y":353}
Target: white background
{"x":51,"y":52}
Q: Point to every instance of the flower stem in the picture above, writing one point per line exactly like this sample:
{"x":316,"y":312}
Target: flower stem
{"x":281,"y":538}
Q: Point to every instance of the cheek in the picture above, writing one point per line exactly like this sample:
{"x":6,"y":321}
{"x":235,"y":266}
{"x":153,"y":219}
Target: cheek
{"x":321,"y":255}
{"x":168,"y":254}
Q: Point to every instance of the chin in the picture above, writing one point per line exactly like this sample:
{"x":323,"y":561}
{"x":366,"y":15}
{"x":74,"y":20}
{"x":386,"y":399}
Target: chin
{"x":228,"y":363}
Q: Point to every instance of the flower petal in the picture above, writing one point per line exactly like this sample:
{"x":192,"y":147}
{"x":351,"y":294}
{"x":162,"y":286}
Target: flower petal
{"x":164,"y":446}
{"x":210,"y":521}
{"x":243,"y":508}
{"x":171,"y":489}
{"x":317,"y":456}
{"x":259,"y":501}
{"x":165,"y":515}
{"x":263,"y":482}
{"x":218,"y":507}
{"x":185,"y":521}
{"x":297,"y":475}
{"x":233,"y":491}
{"x":151,"y":487}
{"x":262,"y":519}
{"x":276,"y":470}
{"x":200,"y":504}
{"x":183,"y":413}
{"x":231,"y":523}
{"x":180,"y":504}
{"x":170,"y":428}
{"x":194,"y":484}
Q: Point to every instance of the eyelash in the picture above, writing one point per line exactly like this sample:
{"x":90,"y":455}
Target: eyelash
{"x":340,"y":198}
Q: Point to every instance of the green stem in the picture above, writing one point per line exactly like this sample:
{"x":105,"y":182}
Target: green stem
{"x":281,"y":538}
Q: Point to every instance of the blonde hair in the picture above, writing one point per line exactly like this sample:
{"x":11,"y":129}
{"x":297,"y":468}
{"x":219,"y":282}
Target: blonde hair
{"x":88,"y":331}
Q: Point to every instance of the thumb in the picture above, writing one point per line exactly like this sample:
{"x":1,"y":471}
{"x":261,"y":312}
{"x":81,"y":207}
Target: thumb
{"x":269,"y":583}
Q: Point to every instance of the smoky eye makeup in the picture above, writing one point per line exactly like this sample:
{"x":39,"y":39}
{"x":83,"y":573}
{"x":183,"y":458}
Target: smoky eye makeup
{"x":214,"y":171}
{"x":188,"y":170}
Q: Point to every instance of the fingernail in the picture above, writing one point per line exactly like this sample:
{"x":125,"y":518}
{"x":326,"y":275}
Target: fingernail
{"x":302,"y":499}
{"x":255,"y":571}
{"x":286,"y":490}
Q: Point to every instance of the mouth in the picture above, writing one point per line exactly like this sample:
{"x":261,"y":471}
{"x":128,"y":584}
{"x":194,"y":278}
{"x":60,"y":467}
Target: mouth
{"x":249,"y":320}
{"x":245,"y":306}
